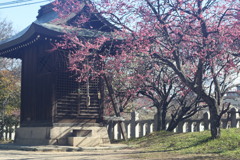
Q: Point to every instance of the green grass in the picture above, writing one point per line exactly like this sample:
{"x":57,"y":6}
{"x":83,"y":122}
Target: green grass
{"x":192,"y":143}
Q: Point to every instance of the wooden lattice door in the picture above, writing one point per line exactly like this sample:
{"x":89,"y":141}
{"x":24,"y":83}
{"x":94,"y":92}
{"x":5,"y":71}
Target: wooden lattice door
{"x":71,"y":96}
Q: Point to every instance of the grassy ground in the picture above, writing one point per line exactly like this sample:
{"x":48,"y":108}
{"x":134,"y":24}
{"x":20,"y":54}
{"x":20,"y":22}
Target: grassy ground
{"x":226,"y":147}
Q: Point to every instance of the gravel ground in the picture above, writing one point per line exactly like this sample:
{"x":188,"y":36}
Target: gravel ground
{"x":123,"y":154}
{"x":83,"y":155}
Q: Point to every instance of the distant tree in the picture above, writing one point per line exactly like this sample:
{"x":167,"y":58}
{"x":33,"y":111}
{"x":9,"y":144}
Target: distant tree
{"x":6,"y":29}
{"x":9,"y":84}
{"x":9,"y":99}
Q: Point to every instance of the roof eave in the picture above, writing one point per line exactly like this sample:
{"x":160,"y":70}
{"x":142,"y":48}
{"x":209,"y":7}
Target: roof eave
{"x":8,"y":48}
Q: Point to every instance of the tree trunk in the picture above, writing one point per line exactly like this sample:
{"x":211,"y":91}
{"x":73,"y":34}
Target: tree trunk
{"x":159,"y":124}
{"x":164,"y":113}
{"x":172,"y":126}
{"x":215,"y":122}
{"x":116,"y":107}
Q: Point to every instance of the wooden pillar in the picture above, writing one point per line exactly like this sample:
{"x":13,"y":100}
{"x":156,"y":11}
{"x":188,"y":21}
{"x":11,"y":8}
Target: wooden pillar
{"x":101,"y":97}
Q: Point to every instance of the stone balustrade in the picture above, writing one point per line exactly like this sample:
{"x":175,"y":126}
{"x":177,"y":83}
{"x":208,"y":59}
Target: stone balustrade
{"x":138,"y":128}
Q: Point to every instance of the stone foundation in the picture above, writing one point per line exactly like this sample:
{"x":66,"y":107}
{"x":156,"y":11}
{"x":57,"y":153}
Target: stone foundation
{"x":81,"y":135}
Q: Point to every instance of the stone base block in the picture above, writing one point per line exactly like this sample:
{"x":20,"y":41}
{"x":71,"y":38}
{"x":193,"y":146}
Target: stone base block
{"x":84,"y":141}
{"x":32,"y":141}
{"x":81,"y":135}
{"x":32,"y":135}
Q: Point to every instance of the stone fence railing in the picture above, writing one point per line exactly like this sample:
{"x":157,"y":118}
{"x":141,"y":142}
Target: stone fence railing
{"x":8,"y":133}
{"x":138,"y":128}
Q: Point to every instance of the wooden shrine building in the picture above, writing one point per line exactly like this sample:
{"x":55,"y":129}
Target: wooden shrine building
{"x":53,"y":103}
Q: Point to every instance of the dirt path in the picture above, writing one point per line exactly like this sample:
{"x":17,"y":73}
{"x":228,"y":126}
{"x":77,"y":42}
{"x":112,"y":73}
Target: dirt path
{"x":100,"y":155}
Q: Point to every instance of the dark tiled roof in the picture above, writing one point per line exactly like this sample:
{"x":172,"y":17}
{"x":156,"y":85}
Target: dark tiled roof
{"x":48,"y":24}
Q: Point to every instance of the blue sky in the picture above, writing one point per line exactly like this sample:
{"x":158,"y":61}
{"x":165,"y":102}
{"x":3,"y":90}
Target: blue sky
{"x":21,"y":16}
